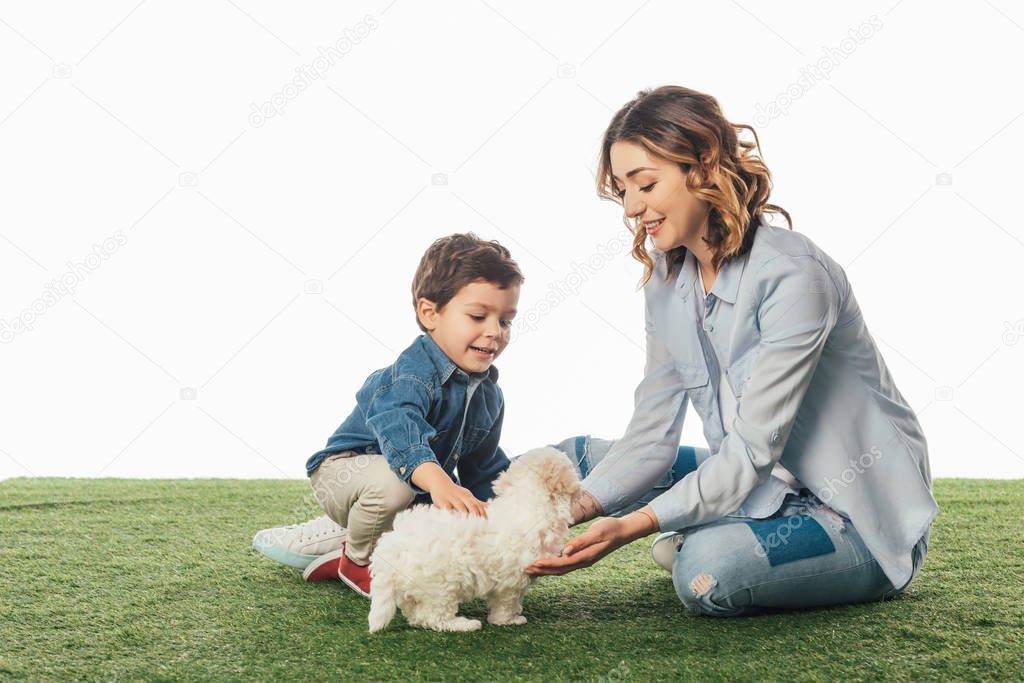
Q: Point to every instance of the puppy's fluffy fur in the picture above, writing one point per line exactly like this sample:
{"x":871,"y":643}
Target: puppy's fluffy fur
{"x":433,"y":559}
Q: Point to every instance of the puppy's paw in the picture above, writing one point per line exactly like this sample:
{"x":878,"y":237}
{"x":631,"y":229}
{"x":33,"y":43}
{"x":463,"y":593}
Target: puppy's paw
{"x":472,"y":625}
{"x":516,"y":620}
{"x":461,"y":624}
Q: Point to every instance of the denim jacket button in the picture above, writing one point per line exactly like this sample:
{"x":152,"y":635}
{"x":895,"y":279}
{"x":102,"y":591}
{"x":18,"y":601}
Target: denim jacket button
{"x":401,"y":470}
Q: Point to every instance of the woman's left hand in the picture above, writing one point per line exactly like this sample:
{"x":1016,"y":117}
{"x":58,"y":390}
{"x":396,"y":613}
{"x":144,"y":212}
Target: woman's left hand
{"x":603,"y":537}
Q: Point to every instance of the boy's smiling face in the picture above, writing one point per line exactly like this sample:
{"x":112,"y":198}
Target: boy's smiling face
{"x":475,"y":326}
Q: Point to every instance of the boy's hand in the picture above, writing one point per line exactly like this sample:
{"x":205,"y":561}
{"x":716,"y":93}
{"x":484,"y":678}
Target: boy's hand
{"x":444,"y":492}
{"x":459,"y":499}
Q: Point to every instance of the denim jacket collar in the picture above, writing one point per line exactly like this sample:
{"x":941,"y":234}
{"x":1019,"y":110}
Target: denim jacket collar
{"x":446,"y":367}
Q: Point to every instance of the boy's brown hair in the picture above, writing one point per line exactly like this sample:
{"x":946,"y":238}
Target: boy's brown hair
{"x":452,"y":262}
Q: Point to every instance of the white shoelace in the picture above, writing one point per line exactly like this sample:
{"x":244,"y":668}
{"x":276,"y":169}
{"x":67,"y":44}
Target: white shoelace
{"x":315,"y":528}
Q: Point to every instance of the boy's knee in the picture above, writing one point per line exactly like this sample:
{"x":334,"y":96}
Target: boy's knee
{"x":393,"y":493}
{"x":365,"y":481}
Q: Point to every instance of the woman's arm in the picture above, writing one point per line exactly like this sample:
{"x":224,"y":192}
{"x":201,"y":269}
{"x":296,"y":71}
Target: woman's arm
{"x":798,"y":308}
{"x":646,"y":451}
{"x":585,"y":508}
{"x":650,"y":445}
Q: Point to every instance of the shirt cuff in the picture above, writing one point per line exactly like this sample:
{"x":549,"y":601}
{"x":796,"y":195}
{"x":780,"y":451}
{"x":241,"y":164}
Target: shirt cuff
{"x":606,"y":492}
{"x":666,"y":509}
{"x":411,"y":459}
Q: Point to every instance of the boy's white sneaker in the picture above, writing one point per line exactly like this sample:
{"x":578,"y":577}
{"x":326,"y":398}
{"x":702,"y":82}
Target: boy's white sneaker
{"x":297,"y":545}
{"x":664,"y":548}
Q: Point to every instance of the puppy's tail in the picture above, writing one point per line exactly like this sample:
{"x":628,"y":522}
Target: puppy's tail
{"x":382,"y":601}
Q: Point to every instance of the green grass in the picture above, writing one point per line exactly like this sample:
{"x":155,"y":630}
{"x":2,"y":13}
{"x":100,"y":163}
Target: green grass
{"x":155,"y":580}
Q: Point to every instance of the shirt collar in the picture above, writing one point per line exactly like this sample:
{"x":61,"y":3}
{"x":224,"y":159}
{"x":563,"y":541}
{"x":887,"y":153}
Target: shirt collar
{"x":727,"y":282}
{"x":447,"y":367}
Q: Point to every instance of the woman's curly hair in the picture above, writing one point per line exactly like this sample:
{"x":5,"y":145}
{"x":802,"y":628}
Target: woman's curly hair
{"x":688,"y":128}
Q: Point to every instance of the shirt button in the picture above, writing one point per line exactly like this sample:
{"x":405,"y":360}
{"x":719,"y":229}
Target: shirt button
{"x":401,"y":470}
{"x":709,"y":328}
{"x":455,"y":457}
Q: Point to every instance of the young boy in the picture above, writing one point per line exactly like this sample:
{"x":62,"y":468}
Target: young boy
{"x":425,"y":429}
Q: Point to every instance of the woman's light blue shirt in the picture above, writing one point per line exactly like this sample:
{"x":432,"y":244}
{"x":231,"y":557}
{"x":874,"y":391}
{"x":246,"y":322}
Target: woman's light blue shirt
{"x":813,"y":393}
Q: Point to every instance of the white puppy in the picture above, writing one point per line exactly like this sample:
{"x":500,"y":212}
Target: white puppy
{"x":433,"y":559}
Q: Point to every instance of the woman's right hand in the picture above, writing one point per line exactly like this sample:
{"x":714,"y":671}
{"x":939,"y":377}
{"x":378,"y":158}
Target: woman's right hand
{"x":601,"y":538}
{"x":458,"y":499}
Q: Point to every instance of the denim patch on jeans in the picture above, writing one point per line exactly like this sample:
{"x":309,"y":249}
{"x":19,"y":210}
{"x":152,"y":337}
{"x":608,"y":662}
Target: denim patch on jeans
{"x":786,"y":539}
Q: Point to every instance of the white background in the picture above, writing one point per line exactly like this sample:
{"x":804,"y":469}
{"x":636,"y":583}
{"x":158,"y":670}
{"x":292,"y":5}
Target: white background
{"x":255,"y":274}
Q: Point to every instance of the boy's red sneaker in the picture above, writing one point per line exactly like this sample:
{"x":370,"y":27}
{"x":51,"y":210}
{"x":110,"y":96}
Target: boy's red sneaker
{"x":335,"y":565}
{"x":356,"y":576}
{"x":325,"y":567}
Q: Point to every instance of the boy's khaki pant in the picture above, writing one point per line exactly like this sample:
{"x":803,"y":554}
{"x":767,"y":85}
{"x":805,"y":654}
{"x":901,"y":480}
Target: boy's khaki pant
{"x":362,"y":494}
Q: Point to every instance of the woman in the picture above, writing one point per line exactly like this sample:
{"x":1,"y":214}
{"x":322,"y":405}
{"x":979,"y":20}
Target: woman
{"x":816,"y":488}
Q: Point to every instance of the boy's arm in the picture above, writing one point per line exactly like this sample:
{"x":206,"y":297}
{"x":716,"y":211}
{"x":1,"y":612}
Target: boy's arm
{"x":428,"y":476}
{"x":485,"y":463}
{"x":397,"y":417}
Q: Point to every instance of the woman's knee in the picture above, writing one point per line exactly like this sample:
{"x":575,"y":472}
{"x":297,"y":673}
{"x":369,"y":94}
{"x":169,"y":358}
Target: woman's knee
{"x":585,"y":451}
{"x":706,"y":581}
{"x":575,"y":447}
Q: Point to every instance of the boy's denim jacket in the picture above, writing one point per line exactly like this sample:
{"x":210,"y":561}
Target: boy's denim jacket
{"x":412,"y":412}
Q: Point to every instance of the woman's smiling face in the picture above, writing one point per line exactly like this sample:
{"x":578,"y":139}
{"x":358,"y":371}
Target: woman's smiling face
{"x":654,"y":193}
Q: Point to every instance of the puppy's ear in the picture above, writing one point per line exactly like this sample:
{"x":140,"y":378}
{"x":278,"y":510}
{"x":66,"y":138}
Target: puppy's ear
{"x":559,"y":476}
